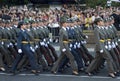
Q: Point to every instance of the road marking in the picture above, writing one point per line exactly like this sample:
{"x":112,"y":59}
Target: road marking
{"x":70,"y":76}
{"x":5,"y":74}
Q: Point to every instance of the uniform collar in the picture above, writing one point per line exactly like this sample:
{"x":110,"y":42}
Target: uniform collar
{"x":15,"y":26}
{"x":8,"y":28}
{"x":75,"y":26}
{"x":23,"y":30}
{"x":68,"y":28}
{"x":110,"y":26}
{"x":99,"y":27}
{"x":106,"y":27}
{"x":64,"y":28}
{"x":2,"y":27}
{"x":103,"y":27}
{"x":28,"y":29}
{"x":34,"y":28}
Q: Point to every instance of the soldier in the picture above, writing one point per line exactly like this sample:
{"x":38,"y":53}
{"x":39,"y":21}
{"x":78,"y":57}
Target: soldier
{"x":82,"y":38}
{"x":1,"y":55}
{"x":114,"y":45}
{"x":24,"y":47}
{"x":48,"y":40}
{"x":37,"y":40}
{"x":73,"y":47}
{"x":24,"y":61}
{"x":44,"y":49}
{"x":5,"y":45}
{"x":12,"y":37}
{"x":64,"y":48}
{"x":101,"y":51}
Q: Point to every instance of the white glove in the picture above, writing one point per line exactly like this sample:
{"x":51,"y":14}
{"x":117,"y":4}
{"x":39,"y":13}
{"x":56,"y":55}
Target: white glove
{"x":8,"y":45}
{"x":108,"y":42}
{"x":44,"y":40}
{"x":78,"y":45}
{"x":74,"y":46}
{"x":119,"y":40}
{"x":63,"y":50}
{"x":50,"y":40}
{"x":11,"y":44}
{"x":2,"y":43}
{"x":106,"y":46}
{"x":70,"y":49}
{"x":113,"y":45}
{"x":46,"y":45}
{"x":70,"y":45}
{"x":32,"y":49}
{"x":16,"y":44}
{"x":109,"y":46}
{"x":56,"y":40}
{"x":116,"y":43}
{"x":101,"y":51}
{"x":36,"y":46}
{"x":85,"y":42}
{"x":19,"y":51}
{"x":82,"y":42}
{"x":42,"y":43}
{"x":86,"y":36}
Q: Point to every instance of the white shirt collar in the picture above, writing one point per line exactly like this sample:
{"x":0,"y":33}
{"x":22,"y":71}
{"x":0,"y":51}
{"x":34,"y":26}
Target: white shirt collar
{"x":28,"y":29}
{"x":64,"y":28}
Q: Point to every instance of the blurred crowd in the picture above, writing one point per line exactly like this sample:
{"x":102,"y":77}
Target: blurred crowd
{"x":86,"y":16}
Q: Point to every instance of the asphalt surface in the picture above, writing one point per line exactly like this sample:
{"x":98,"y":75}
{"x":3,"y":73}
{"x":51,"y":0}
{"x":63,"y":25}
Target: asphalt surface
{"x":52,"y":77}
{"x":66,"y":76}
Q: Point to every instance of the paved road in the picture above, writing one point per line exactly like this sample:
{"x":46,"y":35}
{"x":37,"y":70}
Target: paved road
{"x":51,"y":77}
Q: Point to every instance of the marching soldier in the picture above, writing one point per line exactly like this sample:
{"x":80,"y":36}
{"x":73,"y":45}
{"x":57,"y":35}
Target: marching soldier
{"x":12,"y":37}
{"x":24,"y":47}
{"x":37,"y":40}
{"x":1,"y":55}
{"x":5,"y":45}
{"x":72,"y":35}
{"x":101,"y":51}
{"x":87,"y":57}
{"x":64,"y":48}
{"x":112,"y":45}
{"x":48,"y":40}
{"x":43,"y":49}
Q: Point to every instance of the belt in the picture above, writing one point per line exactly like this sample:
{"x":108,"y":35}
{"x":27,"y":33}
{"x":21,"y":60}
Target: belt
{"x":26,"y":42}
{"x":65,"y":41}
{"x":4,"y":39}
{"x":102,"y":41}
{"x":37,"y":39}
{"x":70,"y":40}
{"x":108,"y":39}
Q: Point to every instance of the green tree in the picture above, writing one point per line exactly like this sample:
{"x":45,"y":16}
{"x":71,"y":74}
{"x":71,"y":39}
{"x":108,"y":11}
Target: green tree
{"x":115,"y":4}
{"x":103,"y":3}
{"x":94,"y":3}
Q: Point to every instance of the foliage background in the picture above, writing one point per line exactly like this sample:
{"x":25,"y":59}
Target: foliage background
{"x":103,"y":3}
{"x":90,"y":3}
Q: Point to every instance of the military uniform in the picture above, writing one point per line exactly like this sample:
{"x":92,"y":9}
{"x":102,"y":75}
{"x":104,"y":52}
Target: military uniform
{"x":37,"y":40}
{"x":24,"y":47}
{"x":65,"y":51}
{"x":101,"y":50}
{"x":5,"y":45}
